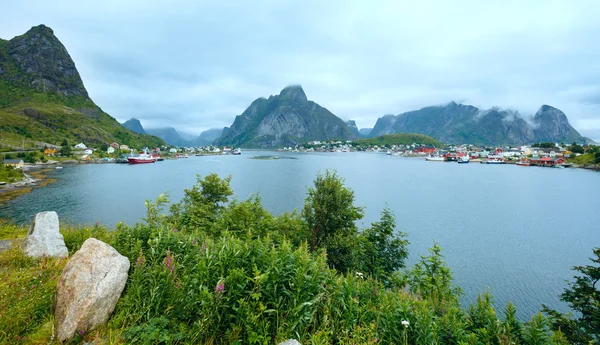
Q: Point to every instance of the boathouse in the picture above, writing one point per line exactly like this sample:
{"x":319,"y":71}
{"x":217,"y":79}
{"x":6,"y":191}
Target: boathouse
{"x":547,"y":161}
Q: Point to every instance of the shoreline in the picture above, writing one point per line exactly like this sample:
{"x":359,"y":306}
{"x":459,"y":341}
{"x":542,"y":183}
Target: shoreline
{"x":35,"y":177}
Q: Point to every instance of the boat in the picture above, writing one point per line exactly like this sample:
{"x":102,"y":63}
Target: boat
{"x":236,"y":152}
{"x":141,"y":159}
{"x":559,"y":166}
{"x":463,"y":160}
{"x":495,"y":160}
{"x":58,"y":168}
{"x":388,"y":153}
{"x":524,"y":163}
{"x":435,"y":158}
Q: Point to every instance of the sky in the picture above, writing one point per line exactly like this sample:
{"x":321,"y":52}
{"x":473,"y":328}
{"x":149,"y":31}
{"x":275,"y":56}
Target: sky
{"x":195,"y":65}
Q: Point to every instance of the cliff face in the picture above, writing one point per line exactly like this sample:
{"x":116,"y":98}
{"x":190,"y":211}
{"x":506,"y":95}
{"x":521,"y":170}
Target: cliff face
{"x":42,"y":96}
{"x":285,"y":119}
{"x":458,"y":124}
{"x":38,"y":60}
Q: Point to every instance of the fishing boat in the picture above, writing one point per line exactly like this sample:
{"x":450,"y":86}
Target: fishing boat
{"x":495,"y":160}
{"x":141,"y":159}
{"x":435,"y":158}
{"x":523,"y":163}
{"x":463,"y":160}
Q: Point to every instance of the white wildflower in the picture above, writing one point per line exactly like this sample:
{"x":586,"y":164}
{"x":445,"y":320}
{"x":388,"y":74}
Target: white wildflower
{"x":360,"y":275}
{"x":405,"y":323}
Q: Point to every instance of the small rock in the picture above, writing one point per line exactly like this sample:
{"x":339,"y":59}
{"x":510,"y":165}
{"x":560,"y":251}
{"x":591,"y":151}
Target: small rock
{"x":89,"y":288}
{"x":5,"y":245}
{"x":44,"y":237}
{"x":290,"y":342}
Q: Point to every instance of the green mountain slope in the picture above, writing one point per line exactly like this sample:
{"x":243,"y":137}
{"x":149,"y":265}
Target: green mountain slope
{"x":285,"y":119}
{"x":42,"y":97}
{"x":400,"y":139}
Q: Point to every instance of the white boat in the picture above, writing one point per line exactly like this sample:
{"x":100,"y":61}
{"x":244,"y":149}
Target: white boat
{"x":435,"y":158}
{"x":58,"y":168}
{"x":463,"y":159}
{"x":388,"y":153}
{"x":495,"y":159}
{"x":236,"y":152}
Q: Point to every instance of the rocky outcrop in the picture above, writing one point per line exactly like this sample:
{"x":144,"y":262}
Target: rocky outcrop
{"x":134,"y":125}
{"x":353,"y":128}
{"x":458,"y":124}
{"x":44,"y":237}
{"x":290,"y":342}
{"x":45,"y":63}
{"x":284,"y":120}
{"x":552,"y":125}
{"x":89,"y":288}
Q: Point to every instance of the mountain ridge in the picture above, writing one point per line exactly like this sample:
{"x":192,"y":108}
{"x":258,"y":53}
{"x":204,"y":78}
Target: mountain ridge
{"x":283,"y":120}
{"x":460,"y":123}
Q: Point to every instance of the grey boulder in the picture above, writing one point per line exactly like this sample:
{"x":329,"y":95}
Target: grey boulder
{"x":44,"y":237}
{"x":290,"y":342}
{"x":89,"y":288}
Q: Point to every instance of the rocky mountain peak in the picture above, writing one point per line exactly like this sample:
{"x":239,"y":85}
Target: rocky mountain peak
{"x":294,"y":92}
{"x":134,"y":125}
{"x":44,"y":63}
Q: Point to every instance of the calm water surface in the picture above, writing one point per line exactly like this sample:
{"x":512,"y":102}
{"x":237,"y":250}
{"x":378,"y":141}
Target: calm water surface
{"x":515,"y":230}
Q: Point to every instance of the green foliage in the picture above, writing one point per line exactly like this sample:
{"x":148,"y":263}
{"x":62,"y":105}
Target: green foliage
{"x":10,"y":174}
{"x":576,"y":148}
{"x":431,"y":278}
{"x":248,"y":277}
{"x":583,"y":296}
{"x":65,"y":149}
{"x":399,"y":139}
{"x":329,"y":210}
{"x":385,"y":250}
{"x":546,"y":145}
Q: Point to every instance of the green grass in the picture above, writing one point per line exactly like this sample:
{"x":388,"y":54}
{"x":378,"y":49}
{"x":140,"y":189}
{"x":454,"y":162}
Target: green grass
{"x":585,"y":159}
{"x":399,"y":139}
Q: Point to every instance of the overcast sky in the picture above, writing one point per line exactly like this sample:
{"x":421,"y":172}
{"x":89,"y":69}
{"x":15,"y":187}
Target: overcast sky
{"x":195,"y":64}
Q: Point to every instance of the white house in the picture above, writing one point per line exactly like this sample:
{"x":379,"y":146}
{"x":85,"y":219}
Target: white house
{"x":173,"y":150}
{"x":88,"y":152}
{"x":110,"y":150}
{"x":80,"y":146}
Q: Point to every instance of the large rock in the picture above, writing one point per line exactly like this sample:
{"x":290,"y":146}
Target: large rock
{"x":89,"y":288}
{"x":290,"y":342}
{"x":44,"y":237}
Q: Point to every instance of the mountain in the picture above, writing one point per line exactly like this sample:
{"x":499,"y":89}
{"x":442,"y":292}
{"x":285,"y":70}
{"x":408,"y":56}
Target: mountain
{"x":42,"y":97}
{"x":134,"y":125}
{"x":458,"y":123}
{"x":353,"y":128}
{"x":169,"y":135}
{"x":365,"y":132}
{"x":208,"y":137}
{"x":283,"y":120}
{"x":399,"y":139}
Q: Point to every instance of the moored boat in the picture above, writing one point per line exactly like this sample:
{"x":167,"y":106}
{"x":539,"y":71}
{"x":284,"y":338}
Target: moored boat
{"x":236,"y":152}
{"x":463,"y":160}
{"x":141,"y":159}
{"x":435,"y":158}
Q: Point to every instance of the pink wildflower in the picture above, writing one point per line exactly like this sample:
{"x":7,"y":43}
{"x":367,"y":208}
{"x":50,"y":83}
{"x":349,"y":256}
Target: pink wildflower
{"x":169,"y":262}
{"x":220,"y":288}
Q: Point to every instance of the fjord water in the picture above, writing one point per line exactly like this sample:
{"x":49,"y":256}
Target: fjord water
{"x":515,"y":230}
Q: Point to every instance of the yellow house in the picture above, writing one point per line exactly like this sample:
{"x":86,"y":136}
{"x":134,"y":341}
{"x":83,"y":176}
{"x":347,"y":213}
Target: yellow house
{"x":49,"y":151}
{"x":15,"y":163}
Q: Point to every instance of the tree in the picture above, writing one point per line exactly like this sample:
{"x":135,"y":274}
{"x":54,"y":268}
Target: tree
{"x":576,"y":148}
{"x":432,"y":278}
{"x":385,"y":251}
{"x":583,"y":296}
{"x":65,"y":150}
{"x":329,"y":209}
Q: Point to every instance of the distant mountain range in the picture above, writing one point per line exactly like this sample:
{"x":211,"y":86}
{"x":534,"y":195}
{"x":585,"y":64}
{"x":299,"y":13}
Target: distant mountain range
{"x":172,"y":137}
{"x":42,"y":97}
{"x":283,"y":120}
{"x":459,"y":123}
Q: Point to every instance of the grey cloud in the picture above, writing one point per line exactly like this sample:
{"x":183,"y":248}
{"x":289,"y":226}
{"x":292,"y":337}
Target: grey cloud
{"x":196,"y":65}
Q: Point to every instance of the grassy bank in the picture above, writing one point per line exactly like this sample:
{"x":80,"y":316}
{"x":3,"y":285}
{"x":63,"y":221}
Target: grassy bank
{"x":217,"y":271}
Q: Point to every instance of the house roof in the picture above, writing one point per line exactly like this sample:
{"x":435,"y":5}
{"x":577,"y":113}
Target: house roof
{"x":12,"y":161}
